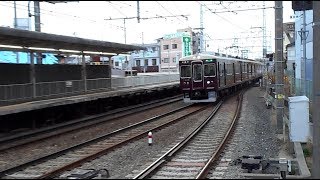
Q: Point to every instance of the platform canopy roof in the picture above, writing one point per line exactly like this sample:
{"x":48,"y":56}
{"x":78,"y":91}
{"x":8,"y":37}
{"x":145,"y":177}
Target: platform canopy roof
{"x":43,"y":41}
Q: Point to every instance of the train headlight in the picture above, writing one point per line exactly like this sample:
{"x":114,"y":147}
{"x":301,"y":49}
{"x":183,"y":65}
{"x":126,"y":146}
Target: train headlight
{"x":208,"y":82}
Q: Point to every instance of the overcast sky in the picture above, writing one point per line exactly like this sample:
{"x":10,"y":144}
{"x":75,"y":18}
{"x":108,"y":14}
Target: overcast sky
{"x":87,"y":19}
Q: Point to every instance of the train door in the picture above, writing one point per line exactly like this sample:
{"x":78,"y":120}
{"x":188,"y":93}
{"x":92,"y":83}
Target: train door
{"x":248,"y":70}
{"x":197,"y":75}
{"x":234,"y":73}
{"x":241,"y":72}
{"x":225,"y":74}
{"x":219,"y":73}
{"x":209,"y":75}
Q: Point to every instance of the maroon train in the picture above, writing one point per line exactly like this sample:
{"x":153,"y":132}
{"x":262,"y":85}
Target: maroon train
{"x":204,"y":78}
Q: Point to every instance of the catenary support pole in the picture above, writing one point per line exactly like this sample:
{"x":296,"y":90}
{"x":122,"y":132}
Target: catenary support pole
{"x":315,"y":172}
{"x":279,"y":64}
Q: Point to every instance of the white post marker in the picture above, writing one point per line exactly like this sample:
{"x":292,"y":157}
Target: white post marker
{"x":150,"y":138}
{"x":260,"y":84}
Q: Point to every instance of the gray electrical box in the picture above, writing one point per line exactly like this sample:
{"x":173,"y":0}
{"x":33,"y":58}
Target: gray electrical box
{"x":298,"y":118}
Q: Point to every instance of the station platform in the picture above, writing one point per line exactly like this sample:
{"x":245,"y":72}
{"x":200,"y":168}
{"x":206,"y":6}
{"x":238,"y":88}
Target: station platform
{"x":113,"y":92}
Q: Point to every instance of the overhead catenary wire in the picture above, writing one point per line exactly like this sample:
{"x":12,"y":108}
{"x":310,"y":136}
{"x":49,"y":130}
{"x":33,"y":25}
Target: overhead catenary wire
{"x":52,"y":13}
{"x":116,"y":9}
{"x":232,"y":10}
{"x":169,"y":11}
{"x":221,"y":16}
{"x":239,"y":10}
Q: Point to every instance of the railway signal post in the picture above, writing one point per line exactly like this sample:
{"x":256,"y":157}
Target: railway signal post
{"x":150,"y":138}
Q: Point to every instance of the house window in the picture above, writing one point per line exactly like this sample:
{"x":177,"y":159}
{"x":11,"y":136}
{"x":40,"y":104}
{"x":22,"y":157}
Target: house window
{"x":138,"y":62}
{"x":153,"y":49}
{"x":174,"y":46}
{"x":165,"y":47}
{"x":174,"y":59}
{"x":154,"y":62}
{"x":166,"y":60}
{"x":146,"y":62}
{"x":116,"y":63}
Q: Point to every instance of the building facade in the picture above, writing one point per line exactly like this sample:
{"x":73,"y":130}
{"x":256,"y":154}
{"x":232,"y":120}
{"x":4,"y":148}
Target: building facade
{"x":173,"y":47}
{"x":288,"y":44}
{"x":146,"y":61}
{"x":291,"y":59}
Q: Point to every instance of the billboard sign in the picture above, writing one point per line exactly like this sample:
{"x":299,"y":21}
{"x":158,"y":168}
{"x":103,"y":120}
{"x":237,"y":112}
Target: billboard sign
{"x":175,"y":35}
{"x":186,"y":46}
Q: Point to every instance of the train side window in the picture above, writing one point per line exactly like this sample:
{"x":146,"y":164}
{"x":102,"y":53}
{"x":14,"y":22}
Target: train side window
{"x":229,"y":69}
{"x":185,"y":71}
{"x":209,"y":70}
{"x":221,"y":70}
{"x":244,"y":68}
{"x":237,"y":69}
{"x":197,"y":72}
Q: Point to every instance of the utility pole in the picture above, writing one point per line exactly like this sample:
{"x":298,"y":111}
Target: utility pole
{"x":201,"y":28}
{"x":304,"y":53}
{"x":16,"y":26}
{"x":124,"y":22}
{"x":125,"y":31}
{"x":315,"y":173}
{"x":302,"y":6}
{"x":264,"y":45}
{"x":279,"y":64}
{"x":37,"y":16}
{"x":138,"y":11}
{"x":144,"y":61}
{"x":15,"y":14}
{"x":37,"y":26}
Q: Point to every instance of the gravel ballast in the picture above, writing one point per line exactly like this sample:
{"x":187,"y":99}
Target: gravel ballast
{"x":254,"y":135}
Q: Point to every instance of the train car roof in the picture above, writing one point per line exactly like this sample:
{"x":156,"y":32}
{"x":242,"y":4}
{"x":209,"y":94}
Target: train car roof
{"x":209,"y":56}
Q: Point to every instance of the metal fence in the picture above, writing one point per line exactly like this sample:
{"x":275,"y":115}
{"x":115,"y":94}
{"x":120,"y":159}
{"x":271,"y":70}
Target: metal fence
{"x":16,"y":92}
{"x":143,"y":80}
{"x":298,"y":86}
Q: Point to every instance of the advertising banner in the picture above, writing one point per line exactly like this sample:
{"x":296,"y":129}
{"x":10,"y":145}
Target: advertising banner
{"x":186,"y":46}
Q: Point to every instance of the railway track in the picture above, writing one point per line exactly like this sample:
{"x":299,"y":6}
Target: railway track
{"x":195,"y":155}
{"x":54,"y":164}
{"x":25,"y":138}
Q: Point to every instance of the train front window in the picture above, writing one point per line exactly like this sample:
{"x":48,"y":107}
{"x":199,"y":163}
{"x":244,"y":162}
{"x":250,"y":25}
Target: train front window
{"x":185,"y":71}
{"x":209,"y":70}
{"x":197,"y":72}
